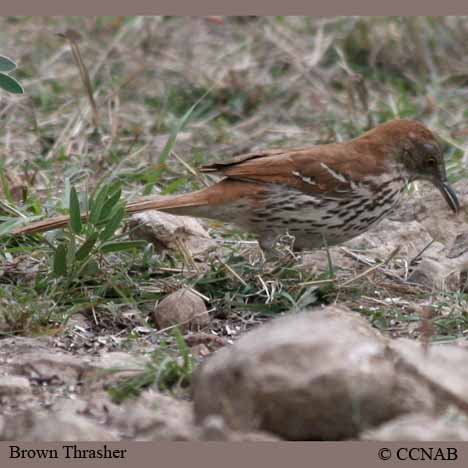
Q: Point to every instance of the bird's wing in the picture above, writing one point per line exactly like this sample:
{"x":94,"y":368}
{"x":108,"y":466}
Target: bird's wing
{"x":336,"y":170}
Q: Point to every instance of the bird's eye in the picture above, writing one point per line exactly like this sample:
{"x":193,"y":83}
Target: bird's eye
{"x":431,"y":162}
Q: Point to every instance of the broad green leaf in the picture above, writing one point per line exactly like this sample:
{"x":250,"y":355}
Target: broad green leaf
{"x":112,"y":225}
{"x":113,"y":188}
{"x":6,"y":64}
{"x":86,"y":248}
{"x":71,"y":250}
{"x":109,"y":204}
{"x":122,"y":246}
{"x":75,"y":215}
{"x":66,"y":192}
{"x":10,"y":84}
{"x":96,"y":204}
{"x":60,"y":261}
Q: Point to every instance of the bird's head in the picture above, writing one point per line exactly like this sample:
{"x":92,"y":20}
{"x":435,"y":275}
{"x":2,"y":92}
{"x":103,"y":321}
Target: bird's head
{"x":417,"y":152}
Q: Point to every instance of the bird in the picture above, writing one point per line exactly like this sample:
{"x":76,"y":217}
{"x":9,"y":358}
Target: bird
{"x":321,"y":195}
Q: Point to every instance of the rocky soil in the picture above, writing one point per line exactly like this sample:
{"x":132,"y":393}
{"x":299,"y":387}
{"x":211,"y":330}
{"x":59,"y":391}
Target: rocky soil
{"x":322,"y":373}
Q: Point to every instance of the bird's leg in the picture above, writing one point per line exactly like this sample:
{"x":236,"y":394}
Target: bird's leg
{"x":279,"y":248}
{"x":331,"y":270}
{"x":268,"y":247}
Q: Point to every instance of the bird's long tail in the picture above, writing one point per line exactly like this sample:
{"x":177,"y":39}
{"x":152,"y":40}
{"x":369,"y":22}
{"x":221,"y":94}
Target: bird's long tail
{"x":202,"y":203}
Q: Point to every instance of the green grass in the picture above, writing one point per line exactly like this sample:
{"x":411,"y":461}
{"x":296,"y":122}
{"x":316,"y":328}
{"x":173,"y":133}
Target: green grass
{"x":169,"y":370}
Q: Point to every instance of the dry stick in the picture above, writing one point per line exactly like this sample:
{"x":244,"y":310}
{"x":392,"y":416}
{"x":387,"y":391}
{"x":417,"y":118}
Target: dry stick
{"x":10,"y":209}
{"x":265,"y":288}
{"x":316,"y":283}
{"x":73,"y":37}
{"x":356,"y":85}
{"x":186,"y":254}
{"x":177,"y":270}
{"x":36,"y":130}
{"x":361,"y":259}
{"x":416,"y":257}
{"x":370,"y":270}
{"x":192,"y":171}
{"x":232,"y":272}
{"x":82,"y":113}
{"x":199,"y":294}
{"x":66,"y":129}
{"x":377,"y":301}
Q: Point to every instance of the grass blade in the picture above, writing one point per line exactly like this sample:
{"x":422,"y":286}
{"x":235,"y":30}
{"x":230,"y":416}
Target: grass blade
{"x":109,"y":204}
{"x":60,"y":261}
{"x":96,"y":204}
{"x":7,"y":226}
{"x":112,"y":225}
{"x":123,"y":246}
{"x":178,"y":127}
{"x":86,"y":248}
{"x":75,"y":215}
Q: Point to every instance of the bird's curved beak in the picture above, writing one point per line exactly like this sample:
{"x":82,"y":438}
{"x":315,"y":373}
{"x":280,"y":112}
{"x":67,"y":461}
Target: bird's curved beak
{"x":449,"y":195}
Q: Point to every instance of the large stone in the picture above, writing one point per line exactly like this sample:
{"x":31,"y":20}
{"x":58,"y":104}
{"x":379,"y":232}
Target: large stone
{"x":171,"y":232}
{"x":442,"y":367}
{"x":437,"y":273}
{"x":49,"y":426}
{"x":323,"y":374}
{"x":50,"y":367}
{"x":429,"y":208}
{"x":382,"y":240}
{"x":153,"y":416}
{"x":421,"y":427}
{"x":13,"y":385}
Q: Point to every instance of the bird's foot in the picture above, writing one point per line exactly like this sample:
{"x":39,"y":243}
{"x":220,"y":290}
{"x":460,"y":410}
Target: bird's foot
{"x":280,"y":253}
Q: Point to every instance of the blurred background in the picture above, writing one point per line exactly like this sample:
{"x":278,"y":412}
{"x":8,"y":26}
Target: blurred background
{"x":258,"y":81}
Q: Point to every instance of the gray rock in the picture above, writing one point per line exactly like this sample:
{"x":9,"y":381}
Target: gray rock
{"x":153,"y":416}
{"x":49,"y":426}
{"x":442,"y":367}
{"x":48,"y":366}
{"x":171,"y":232}
{"x":421,"y":427}
{"x":323,"y":374}
{"x":13,"y":385}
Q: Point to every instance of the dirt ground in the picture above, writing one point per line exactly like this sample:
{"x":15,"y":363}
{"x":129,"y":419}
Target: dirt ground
{"x":95,"y":335}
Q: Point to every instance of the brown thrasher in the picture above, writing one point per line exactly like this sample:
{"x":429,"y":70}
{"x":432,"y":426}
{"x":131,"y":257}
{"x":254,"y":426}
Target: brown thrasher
{"x":320,"y":194}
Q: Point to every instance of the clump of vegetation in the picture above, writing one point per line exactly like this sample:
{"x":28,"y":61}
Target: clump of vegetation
{"x":169,"y":370}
